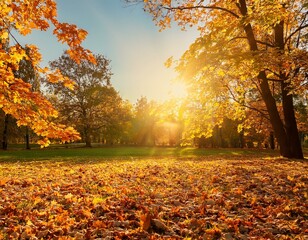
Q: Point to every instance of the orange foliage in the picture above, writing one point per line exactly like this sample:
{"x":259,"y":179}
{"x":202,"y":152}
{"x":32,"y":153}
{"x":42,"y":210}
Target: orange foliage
{"x":251,"y":198}
{"x":16,"y":96}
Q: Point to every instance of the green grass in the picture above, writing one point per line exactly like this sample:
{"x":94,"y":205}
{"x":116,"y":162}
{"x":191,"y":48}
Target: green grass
{"x":124,"y":152}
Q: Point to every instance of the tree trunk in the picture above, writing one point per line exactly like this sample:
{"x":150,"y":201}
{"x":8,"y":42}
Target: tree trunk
{"x":241,"y":139}
{"x":272,"y":140}
{"x":87,"y":136}
{"x":286,"y":132}
{"x":5,"y":132}
{"x":275,"y":119}
{"x":27,"y":138}
{"x":293,"y":140}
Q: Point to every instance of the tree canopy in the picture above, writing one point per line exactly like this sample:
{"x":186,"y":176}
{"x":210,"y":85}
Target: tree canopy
{"x":94,"y":107}
{"x":17,"y":97}
{"x":250,"y":56}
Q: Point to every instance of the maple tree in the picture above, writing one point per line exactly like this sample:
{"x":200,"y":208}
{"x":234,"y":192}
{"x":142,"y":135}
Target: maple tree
{"x":17,"y":97}
{"x":27,"y":73}
{"x":250,"y":55}
{"x":5,"y":131}
{"x":10,"y":133}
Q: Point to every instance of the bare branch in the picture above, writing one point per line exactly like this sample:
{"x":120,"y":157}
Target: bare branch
{"x":130,"y":3}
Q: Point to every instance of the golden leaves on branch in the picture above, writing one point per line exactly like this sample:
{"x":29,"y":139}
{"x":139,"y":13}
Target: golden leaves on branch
{"x":33,"y":54}
{"x":73,"y":36}
{"x":16,"y":96}
{"x":77,"y":53}
{"x":169,"y":62}
{"x":56,"y":76}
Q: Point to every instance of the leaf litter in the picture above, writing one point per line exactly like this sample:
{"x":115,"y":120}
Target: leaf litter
{"x":168,"y":198}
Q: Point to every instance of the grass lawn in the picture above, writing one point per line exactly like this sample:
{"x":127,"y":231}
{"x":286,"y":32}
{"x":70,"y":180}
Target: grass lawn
{"x":82,"y":153}
{"x":152,"y":193}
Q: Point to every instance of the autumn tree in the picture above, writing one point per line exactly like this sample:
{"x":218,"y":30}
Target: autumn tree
{"x":156,"y":123}
{"x":143,"y":122}
{"x":17,"y":97}
{"x":116,"y":119}
{"x":27,"y":73}
{"x":226,"y":135}
{"x":93,"y":106}
{"x":5,"y":131}
{"x":247,"y":51}
{"x":105,"y":116}
{"x":168,"y":130}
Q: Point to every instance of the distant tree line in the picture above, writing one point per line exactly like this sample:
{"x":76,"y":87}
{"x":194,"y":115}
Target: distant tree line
{"x":98,"y":112}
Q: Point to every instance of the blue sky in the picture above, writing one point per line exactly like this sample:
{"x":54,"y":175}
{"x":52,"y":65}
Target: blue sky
{"x":129,"y":38}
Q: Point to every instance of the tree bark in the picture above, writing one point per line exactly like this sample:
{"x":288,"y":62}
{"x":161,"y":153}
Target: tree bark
{"x":242,"y":139}
{"x":275,"y":119}
{"x":27,"y":138}
{"x":292,"y":134}
{"x":286,"y":132}
{"x":272,"y":140}
{"x":5,"y":132}
{"x":293,"y":140}
{"x":87,"y":136}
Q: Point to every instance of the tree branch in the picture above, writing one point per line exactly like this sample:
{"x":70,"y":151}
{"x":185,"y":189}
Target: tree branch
{"x":204,"y":7}
{"x":258,"y":41}
{"x":298,"y":29}
{"x":244,"y":105}
{"x":276,"y":74}
{"x":274,"y":80}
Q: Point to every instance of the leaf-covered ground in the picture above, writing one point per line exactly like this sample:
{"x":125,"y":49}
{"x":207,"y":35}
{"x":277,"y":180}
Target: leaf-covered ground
{"x":199,"y":198}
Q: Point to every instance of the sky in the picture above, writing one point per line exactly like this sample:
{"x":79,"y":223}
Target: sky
{"x":128,"y":37}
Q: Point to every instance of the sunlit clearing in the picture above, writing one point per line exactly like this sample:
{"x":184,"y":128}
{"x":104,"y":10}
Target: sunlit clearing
{"x":169,"y":133}
{"x":178,"y":89}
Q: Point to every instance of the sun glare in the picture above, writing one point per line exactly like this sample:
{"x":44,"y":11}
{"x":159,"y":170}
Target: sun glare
{"x":178,"y":89}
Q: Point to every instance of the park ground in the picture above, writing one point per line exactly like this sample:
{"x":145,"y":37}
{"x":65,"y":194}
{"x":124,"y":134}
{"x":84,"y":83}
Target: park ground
{"x":152,"y":193}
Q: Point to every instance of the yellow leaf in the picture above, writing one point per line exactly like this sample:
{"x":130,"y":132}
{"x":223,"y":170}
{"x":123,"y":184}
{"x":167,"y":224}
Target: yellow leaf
{"x":4,"y":35}
{"x":169,"y":62}
{"x":290,"y":178}
{"x":37,"y":200}
{"x":68,"y":196}
{"x":29,"y":223}
{"x":97,"y":200}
